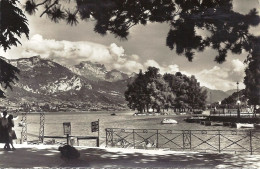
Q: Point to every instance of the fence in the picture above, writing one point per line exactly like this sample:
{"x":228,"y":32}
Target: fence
{"x":185,"y":140}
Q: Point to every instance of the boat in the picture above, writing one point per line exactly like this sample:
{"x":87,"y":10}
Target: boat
{"x":169,"y":121}
{"x":113,"y":114}
{"x":139,"y":114}
{"x":195,"y":119}
{"x":216,"y":123}
{"x":244,"y":125}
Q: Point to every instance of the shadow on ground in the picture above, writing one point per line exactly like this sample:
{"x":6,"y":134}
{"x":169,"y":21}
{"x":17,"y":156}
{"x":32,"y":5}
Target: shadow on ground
{"x":97,"y":158}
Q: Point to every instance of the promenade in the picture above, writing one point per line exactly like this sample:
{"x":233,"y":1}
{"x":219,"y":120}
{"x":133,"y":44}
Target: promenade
{"x":28,"y":156}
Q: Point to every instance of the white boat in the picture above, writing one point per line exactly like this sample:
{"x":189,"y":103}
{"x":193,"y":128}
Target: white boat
{"x":244,"y":125}
{"x":169,"y":121}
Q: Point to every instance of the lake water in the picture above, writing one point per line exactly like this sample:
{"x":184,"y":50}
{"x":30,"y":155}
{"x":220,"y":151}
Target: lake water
{"x":81,"y":123}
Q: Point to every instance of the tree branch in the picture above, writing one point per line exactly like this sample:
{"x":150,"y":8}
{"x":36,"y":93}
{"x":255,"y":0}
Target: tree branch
{"x":46,"y":10}
{"x":42,"y":3}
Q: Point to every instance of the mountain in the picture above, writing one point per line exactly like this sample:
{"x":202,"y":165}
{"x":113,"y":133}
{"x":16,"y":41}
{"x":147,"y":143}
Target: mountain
{"x":45,"y":80}
{"x":230,"y":92}
{"x":97,"y":72}
{"x":115,"y":75}
{"x":215,"y":95}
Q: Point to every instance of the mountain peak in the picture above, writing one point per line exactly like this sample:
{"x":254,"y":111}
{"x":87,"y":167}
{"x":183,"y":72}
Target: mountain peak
{"x":87,"y":64}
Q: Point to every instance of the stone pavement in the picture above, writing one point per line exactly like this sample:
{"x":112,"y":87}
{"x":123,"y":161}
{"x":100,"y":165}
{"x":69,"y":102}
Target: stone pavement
{"x":28,"y":156}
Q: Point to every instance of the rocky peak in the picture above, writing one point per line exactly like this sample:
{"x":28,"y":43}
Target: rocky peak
{"x":89,"y":65}
{"x":115,"y":75}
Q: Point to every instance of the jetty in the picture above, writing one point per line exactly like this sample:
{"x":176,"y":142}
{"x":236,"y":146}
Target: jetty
{"x":224,"y":119}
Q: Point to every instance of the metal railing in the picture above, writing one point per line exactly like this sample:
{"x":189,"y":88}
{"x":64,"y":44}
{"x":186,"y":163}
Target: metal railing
{"x":243,"y":141}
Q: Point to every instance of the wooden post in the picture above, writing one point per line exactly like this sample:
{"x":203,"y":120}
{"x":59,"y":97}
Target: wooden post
{"x":157,"y":141}
{"x":251,"y":149}
{"x":219,"y":141}
{"x":98,"y":135}
{"x":134,"y":137}
{"x":67,"y":139}
{"x":97,"y":141}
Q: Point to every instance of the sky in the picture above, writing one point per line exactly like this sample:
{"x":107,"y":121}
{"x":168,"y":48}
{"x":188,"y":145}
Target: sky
{"x":146,"y":46}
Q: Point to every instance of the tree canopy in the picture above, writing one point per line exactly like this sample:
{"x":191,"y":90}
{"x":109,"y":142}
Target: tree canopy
{"x":252,"y":78}
{"x":8,"y":75}
{"x":152,"y":90}
{"x":228,"y":30}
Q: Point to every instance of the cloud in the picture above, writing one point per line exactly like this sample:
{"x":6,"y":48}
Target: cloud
{"x":114,"y":57}
{"x":163,"y":69}
{"x":71,"y":53}
{"x":223,"y":78}
{"x":129,"y":66}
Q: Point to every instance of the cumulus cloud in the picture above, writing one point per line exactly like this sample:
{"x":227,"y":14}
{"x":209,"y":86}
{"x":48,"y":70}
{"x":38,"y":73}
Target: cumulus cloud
{"x":71,"y":53}
{"x":67,"y":52}
{"x":163,"y":69}
{"x":223,"y":78}
{"x":114,"y":57}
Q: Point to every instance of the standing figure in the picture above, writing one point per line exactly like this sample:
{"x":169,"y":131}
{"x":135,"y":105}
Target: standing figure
{"x":11,"y":132}
{"x":4,"y":134}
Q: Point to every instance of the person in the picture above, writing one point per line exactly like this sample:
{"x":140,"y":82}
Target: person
{"x":4,"y":138}
{"x":11,"y":132}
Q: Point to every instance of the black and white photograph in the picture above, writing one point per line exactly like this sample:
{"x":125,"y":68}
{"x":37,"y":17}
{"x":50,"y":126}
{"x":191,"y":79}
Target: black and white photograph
{"x":129,"y":84}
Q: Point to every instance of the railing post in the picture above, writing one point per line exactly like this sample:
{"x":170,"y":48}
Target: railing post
{"x":97,"y":142}
{"x":157,"y":141}
{"x":219,"y":141}
{"x":134,"y":137}
{"x":183,"y":140}
{"x":67,"y":139}
{"x":251,"y":149}
{"x":106,"y":137}
{"x":112,"y":139}
{"x":190,"y":139}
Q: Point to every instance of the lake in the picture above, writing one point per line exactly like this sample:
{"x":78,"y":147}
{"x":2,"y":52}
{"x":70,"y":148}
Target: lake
{"x":81,"y":123}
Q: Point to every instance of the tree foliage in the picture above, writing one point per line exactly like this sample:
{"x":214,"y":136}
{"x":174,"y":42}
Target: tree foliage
{"x":232,"y":99}
{"x":252,"y":79}
{"x":8,"y":74}
{"x":188,"y":92}
{"x":13,"y":24}
{"x":228,"y":30}
{"x":152,"y":90}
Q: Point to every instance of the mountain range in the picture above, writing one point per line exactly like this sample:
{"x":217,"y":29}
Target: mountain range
{"x":43,"y":80}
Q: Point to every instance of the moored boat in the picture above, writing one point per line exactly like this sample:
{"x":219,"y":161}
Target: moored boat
{"x":244,"y":125}
{"x":194,"y":119}
{"x":169,"y":121}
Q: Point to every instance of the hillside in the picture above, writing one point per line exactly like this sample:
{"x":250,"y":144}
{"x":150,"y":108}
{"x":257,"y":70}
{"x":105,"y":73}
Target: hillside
{"x":216,"y":95}
{"x":42,"y":80}
{"x":88,"y":84}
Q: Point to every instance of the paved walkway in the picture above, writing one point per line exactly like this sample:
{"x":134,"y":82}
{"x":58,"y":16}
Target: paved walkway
{"x":47,"y":156}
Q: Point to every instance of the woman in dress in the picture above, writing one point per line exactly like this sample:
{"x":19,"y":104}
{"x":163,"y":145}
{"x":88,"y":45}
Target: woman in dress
{"x":11,"y":132}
